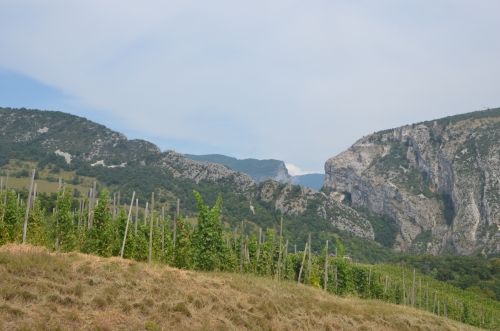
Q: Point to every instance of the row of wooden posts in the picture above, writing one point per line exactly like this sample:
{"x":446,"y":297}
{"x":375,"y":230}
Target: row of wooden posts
{"x":28,"y":204}
{"x":409,"y":295}
{"x":87,"y":223}
{"x":409,"y":299}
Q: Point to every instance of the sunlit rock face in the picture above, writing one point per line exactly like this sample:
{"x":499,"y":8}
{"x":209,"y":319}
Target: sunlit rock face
{"x":437,"y":180}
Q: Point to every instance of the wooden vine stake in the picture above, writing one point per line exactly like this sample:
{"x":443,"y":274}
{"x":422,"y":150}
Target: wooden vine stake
{"x":413,"y":290}
{"x":175,"y":231}
{"x":445,"y":312}
{"x":241,"y":249}
{"x":91,"y":205}
{"x":404,"y":288}
{"x":420,"y":292}
{"x":178,"y":207}
{"x":136,"y":216}
{"x":176,"y":216}
{"x":150,"y":256}
{"x":114,"y":206}
{"x":434,"y":307}
{"x":28,"y":208}
{"x":336,"y":284}
{"x":302,"y":265}
{"x":126,"y":227}
{"x":309,"y":267}
{"x":258,"y":246}
{"x":369,"y":281}
{"x":6,"y":194}
{"x":427,"y":296}
{"x":162,"y":229}
{"x":279,"y":253}
{"x":326,"y":266}
{"x":34,"y":197}
{"x":286,"y":258}
{"x":455,"y":303}
{"x":235,"y":238}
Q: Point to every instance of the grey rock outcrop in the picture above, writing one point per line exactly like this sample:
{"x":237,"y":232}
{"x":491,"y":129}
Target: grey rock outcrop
{"x":183,"y":167}
{"x":438,"y":181}
{"x":293,"y":200}
{"x":258,"y":170}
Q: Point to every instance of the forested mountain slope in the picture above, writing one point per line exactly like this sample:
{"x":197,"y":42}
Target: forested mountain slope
{"x":55,"y":142}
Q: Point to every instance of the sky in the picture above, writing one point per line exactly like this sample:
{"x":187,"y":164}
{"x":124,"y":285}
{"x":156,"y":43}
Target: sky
{"x":298,"y":81}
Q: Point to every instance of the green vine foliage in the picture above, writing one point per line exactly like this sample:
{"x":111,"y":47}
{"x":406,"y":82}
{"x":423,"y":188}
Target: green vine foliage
{"x":208,"y":247}
{"x":65,"y":228}
{"x":137,"y":246}
{"x":182,"y":249}
{"x":99,"y":238}
{"x":12,"y":219}
{"x":37,"y":225}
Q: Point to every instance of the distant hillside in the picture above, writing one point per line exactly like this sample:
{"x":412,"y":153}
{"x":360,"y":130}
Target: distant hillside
{"x":81,"y":151}
{"x":314,"y":181}
{"x":258,"y":170}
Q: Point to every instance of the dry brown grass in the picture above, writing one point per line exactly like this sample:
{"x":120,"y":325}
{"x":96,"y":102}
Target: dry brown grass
{"x":49,"y":291}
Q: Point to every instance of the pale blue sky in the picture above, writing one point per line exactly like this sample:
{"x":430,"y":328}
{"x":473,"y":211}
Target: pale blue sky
{"x":298,"y":81}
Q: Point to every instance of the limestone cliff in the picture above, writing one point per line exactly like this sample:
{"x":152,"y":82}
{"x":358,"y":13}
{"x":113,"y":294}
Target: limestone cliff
{"x":438,"y":180}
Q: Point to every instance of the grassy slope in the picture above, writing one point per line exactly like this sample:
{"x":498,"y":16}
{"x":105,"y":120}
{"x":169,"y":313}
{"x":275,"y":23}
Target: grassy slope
{"x":49,"y":291}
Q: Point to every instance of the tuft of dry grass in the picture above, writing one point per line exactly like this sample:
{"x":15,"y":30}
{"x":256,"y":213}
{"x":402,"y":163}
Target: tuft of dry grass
{"x":50,"y":291}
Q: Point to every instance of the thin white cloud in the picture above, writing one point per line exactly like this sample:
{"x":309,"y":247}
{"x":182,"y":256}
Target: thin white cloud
{"x":290,"y":80}
{"x":293,"y":170}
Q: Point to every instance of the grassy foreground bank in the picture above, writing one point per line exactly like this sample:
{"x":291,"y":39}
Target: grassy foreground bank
{"x":53,"y":291}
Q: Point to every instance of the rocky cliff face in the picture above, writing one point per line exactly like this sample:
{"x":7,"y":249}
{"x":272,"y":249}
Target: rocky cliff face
{"x":294,"y":200}
{"x":281,"y":174}
{"x":438,"y":180}
{"x":183,"y":167}
{"x":258,"y":170}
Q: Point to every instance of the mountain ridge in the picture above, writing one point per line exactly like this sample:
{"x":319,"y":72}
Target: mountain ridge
{"x":437,"y":180}
{"x":258,"y":170}
{"x":59,"y":140}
